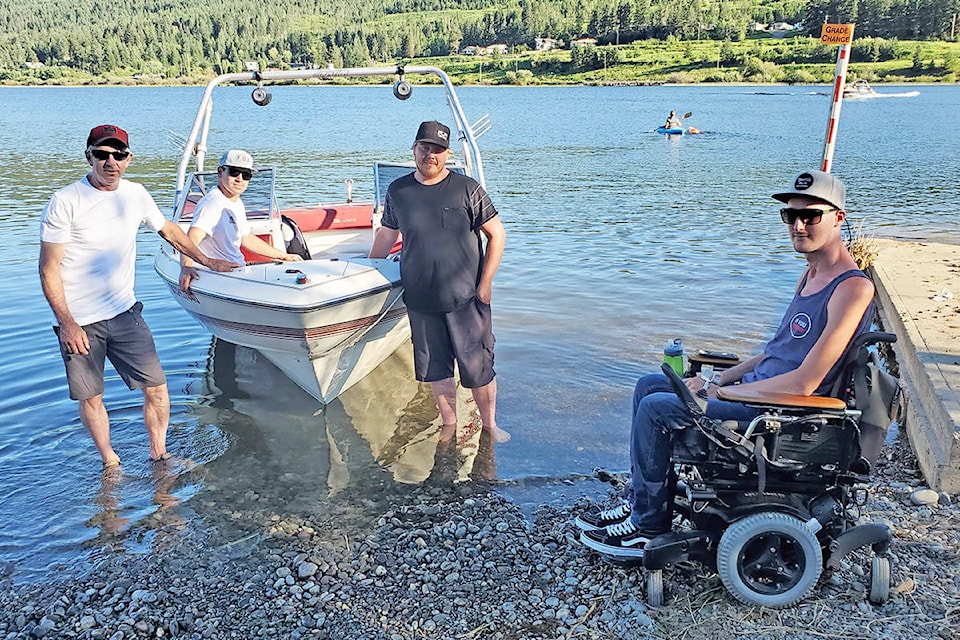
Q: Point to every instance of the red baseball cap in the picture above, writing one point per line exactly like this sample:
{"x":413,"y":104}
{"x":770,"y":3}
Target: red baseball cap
{"x":102,"y":133}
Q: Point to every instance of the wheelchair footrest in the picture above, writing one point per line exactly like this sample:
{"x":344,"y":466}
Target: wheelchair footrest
{"x":873,"y":533}
{"x":677,"y":546}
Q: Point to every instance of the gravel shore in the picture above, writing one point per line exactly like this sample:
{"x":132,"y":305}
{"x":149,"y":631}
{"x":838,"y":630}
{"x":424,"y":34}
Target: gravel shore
{"x":458,"y":562}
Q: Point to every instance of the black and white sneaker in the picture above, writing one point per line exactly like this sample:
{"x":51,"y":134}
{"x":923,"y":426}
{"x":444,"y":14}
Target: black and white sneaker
{"x":597,"y":518}
{"x":621,"y":540}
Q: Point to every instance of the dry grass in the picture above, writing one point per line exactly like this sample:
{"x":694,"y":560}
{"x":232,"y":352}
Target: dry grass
{"x":863,"y":247}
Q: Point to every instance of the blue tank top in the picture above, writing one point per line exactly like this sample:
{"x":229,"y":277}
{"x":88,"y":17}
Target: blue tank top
{"x":801,"y":327}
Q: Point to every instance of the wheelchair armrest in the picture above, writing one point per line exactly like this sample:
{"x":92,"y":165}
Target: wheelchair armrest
{"x":769,"y":398}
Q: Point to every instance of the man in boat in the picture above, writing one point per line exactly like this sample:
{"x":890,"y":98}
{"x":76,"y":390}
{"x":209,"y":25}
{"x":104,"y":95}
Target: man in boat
{"x":832,"y":305}
{"x":88,"y":233}
{"x":220,"y":225}
{"x":446,"y":274}
{"x":673,"y":122}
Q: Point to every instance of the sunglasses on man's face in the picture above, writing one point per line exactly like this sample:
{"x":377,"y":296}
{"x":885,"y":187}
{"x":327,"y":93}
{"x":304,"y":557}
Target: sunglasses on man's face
{"x":246,"y":174}
{"x":103,"y":154}
{"x":809,"y":217}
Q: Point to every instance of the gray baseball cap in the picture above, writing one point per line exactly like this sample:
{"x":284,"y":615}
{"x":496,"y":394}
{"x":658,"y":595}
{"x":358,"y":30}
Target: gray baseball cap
{"x":819,"y":185}
{"x":237,"y":158}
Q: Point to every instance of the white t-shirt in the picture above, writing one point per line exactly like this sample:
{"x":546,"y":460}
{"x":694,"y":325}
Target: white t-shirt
{"x":225,"y":223}
{"x":100,"y":231}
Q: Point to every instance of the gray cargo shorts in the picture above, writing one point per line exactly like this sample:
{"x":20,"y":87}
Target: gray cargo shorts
{"x":124,"y":339}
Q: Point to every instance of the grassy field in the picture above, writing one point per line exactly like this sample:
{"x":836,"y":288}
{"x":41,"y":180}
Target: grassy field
{"x":768,"y":60}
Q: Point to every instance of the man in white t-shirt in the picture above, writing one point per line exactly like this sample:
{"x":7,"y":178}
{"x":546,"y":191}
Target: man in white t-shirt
{"x":88,"y":248}
{"x":220,"y":224}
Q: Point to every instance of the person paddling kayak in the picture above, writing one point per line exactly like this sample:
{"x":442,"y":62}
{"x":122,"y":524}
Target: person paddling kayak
{"x":673,"y":122}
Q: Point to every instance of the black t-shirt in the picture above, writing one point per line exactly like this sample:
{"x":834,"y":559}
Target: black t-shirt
{"x":442,"y":256}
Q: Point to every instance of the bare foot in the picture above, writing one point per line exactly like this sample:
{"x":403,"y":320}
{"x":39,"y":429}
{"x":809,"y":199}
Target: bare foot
{"x":499,"y":435}
{"x":447,"y":433}
{"x":111,"y":471}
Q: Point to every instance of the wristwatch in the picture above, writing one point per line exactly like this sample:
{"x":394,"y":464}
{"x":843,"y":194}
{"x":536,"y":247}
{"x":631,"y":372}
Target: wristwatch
{"x":714,"y":380}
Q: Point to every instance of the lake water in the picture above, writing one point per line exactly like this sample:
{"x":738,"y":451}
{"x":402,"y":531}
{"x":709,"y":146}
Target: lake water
{"x":618,"y":239}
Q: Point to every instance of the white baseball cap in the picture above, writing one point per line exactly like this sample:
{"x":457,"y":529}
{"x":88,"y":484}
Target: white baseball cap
{"x":237,"y":158}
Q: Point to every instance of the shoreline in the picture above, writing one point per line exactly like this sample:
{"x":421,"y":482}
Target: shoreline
{"x":447,"y":561}
{"x":592,"y":83}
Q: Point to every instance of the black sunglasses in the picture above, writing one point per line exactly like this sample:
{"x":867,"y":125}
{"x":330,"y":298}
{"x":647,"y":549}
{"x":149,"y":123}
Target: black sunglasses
{"x":809,"y":217}
{"x":103,"y":154}
{"x":246,"y":174}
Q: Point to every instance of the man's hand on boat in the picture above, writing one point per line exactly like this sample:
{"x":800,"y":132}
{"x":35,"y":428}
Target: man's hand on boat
{"x":189,"y":273}
{"x":222,"y":266}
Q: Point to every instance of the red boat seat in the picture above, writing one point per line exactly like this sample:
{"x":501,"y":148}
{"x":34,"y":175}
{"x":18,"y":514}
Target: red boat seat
{"x":334,"y":216}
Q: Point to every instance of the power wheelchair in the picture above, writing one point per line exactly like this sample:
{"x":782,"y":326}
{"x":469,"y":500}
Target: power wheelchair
{"x":771,"y":505}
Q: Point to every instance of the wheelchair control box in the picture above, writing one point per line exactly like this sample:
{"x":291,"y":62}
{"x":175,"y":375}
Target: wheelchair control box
{"x":719,"y":360}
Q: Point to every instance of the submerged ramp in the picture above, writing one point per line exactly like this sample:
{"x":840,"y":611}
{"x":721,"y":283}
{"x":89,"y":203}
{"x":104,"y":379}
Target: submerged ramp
{"x":918,"y":291}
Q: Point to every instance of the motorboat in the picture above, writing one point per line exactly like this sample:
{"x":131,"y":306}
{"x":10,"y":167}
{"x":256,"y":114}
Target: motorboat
{"x":859,"y":89}
{"x":327,"y":321}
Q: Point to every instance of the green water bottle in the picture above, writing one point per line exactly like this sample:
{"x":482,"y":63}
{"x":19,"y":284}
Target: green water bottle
{"x":673,"y":355}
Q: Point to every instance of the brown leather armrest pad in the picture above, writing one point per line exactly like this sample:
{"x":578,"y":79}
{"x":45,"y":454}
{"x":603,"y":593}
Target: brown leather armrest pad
{"x":733,"y":394}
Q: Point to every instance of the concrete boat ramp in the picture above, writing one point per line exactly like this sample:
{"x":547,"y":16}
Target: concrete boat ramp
{"x":918,"y":292}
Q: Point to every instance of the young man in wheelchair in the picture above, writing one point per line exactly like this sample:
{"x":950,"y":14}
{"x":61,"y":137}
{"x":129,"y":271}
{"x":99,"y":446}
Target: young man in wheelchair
{"x":832,"y":305}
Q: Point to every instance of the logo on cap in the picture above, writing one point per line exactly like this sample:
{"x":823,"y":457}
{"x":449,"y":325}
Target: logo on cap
{"x":803,"y":182}
{"x":102,"y":133}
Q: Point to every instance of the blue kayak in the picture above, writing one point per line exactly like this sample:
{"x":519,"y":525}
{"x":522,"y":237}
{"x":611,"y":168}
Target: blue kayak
{"x":671,"y":130}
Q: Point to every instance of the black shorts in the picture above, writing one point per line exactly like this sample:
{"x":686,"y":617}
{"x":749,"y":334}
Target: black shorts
{"x":127,"y":341}
{"x":464,"y":335}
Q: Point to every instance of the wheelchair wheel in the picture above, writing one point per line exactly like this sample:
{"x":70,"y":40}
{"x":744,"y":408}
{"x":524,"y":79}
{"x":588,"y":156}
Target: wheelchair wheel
{"x":879,"y":580}
{"x":769,"y":559}
{"x":655,"y":588}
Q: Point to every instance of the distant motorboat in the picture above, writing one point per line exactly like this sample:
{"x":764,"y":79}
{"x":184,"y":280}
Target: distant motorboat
{"x":858,"y":89}
{"x":861,"y":89}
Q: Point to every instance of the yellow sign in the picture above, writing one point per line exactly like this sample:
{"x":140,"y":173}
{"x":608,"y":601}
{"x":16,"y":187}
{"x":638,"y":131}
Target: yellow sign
{"x":836,"y":34}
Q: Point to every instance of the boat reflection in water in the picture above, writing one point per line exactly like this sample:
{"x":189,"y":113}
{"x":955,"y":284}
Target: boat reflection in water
{"x":386,"y":421}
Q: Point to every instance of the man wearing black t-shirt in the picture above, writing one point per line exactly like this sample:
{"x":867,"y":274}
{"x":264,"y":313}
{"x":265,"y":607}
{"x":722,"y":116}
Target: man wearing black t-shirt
{"x":447,"y":276}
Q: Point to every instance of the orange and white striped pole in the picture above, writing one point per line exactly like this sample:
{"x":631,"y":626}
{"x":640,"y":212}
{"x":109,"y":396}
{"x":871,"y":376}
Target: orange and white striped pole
{"x":841,"y":34}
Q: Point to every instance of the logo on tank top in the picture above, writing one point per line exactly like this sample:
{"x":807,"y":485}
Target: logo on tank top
{"x":800,"y":325}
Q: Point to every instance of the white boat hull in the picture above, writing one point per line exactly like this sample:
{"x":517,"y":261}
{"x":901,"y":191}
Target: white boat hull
{"x":325,"y":334}
{"x":331,"y":319}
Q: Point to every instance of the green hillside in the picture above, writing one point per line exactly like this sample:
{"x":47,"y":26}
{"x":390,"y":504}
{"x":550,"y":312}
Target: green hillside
{"x":70,"y":41}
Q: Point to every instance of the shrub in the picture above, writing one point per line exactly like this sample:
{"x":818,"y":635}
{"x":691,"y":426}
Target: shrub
{"x":730,"y":75}
{"x":757,"y":69}
{"x":521,"y":77}
{"x":798,"y":76}
{"x":728,"y":57}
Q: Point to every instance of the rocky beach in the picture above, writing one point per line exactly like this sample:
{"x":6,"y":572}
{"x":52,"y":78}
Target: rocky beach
{"x":460,"y":561}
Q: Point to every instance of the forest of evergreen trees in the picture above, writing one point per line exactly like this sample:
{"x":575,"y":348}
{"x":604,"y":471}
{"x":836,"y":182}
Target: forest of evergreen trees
{"x":183,"y":37}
